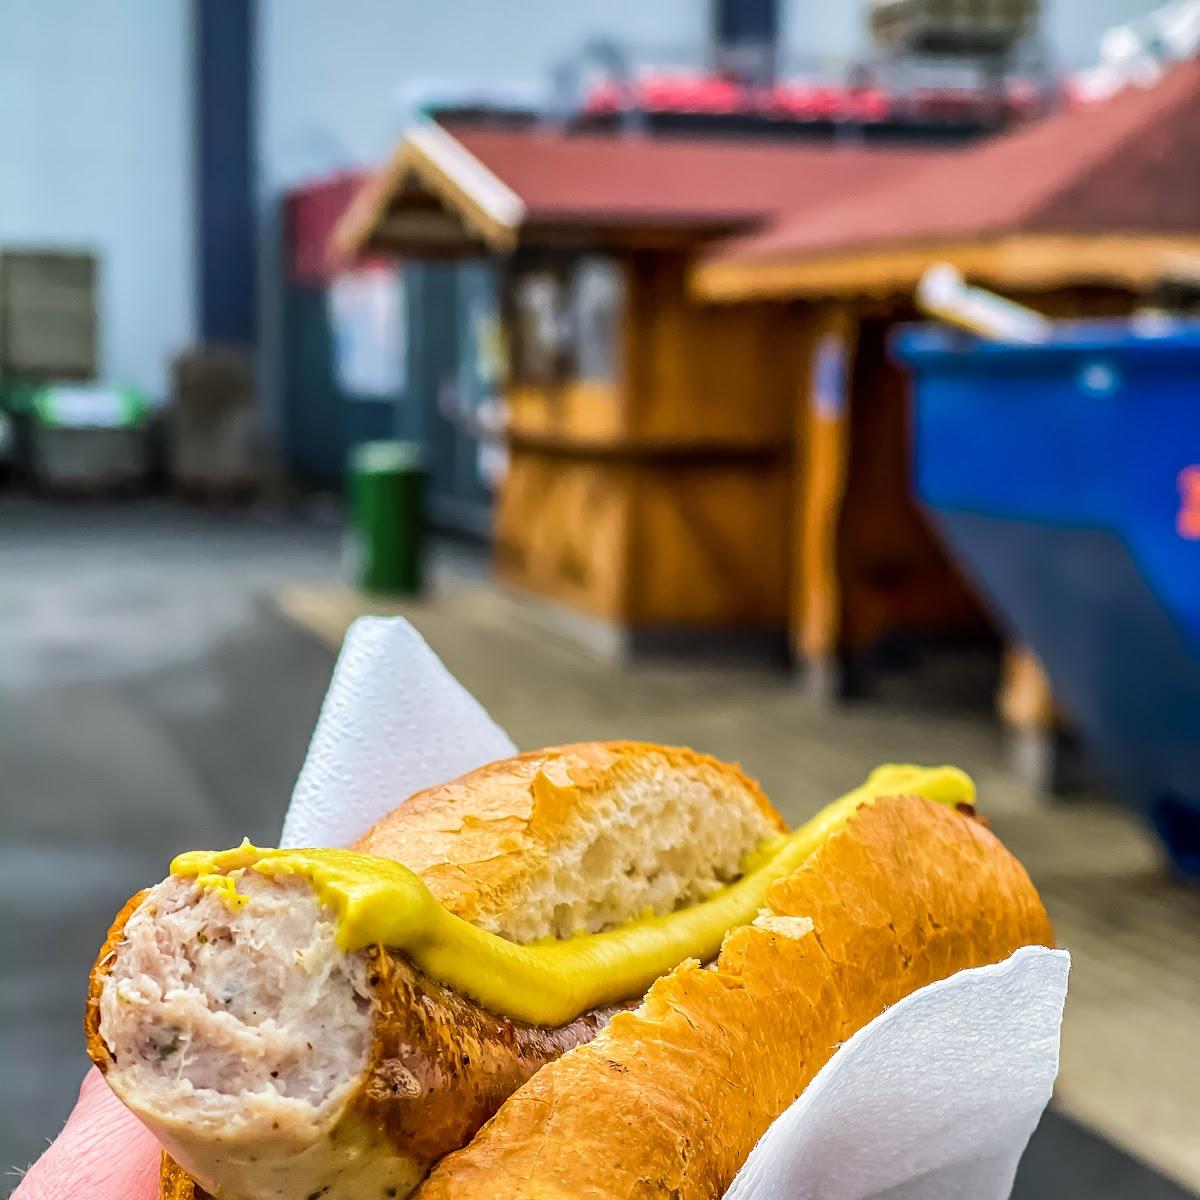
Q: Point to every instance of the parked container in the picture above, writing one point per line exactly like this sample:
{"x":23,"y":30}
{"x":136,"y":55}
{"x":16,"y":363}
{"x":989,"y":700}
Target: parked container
{"x":1066,"y":477}
{"x":89,"y":438}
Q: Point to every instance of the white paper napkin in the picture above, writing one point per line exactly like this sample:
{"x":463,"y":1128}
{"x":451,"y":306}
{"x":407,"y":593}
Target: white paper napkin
{"x":934,"y":1100}
{"x":394,"y":721}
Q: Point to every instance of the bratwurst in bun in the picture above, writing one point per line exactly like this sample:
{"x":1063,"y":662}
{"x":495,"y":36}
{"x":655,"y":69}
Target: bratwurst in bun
{"x":327,"y":1023}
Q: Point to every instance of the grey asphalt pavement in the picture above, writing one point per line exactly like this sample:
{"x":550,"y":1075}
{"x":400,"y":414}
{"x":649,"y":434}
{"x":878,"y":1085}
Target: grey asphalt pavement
{"x":149,"y":700}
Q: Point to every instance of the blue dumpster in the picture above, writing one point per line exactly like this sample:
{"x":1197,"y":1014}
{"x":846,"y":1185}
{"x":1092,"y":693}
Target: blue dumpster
{"x":1066,"y":479}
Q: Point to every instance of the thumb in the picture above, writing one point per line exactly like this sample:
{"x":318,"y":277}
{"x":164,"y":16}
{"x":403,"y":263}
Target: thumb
{"x":103,"y":1153}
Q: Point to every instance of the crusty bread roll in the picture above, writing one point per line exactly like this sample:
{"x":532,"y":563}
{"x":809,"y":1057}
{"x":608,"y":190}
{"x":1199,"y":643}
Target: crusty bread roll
{"x":273,"y":1066}
{"x":669,"y":1099}
{"x":578,"y":838}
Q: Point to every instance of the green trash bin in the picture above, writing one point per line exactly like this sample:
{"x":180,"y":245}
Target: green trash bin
{"x":387,"y":506}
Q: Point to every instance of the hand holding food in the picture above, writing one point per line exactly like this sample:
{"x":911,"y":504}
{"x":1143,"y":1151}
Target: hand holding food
{"x":103,"y":1153}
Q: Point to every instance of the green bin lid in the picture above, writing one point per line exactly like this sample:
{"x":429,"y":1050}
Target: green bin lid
{"x":89,"y":406}
{"x":386,"y":458}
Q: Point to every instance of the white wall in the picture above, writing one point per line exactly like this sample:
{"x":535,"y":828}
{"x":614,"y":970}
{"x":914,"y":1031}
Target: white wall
{"x":1073,"y":27}
{"x":821,"y":31}
{"x":94,"y":154}
{"x":333,"y":73}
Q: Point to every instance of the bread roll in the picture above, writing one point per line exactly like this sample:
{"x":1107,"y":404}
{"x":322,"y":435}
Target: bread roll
{"x":272,"y":1065}
{"x":670,"y":1098}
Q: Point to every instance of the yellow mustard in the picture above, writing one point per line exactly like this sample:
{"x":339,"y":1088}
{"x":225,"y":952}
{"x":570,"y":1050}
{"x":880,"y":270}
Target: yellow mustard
{"x":379,"y":902}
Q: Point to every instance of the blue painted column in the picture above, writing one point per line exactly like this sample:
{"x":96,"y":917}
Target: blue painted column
{"x":223,"y":114}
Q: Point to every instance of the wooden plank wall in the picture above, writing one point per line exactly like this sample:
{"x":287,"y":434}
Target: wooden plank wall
{"x":709,"y":545}
{"x":563,"y":530}
{"x":867,"y":562}
{"x":575,"y":412}
{"x":896,"y":578}
{"x":650,"y":543}
{"x":662,"y":500}
{"x":714,"y":374}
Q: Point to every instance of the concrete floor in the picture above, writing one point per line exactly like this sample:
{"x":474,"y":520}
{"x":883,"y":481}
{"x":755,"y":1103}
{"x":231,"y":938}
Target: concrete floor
{"x":148,"y":701}
{"x":152,"y":698}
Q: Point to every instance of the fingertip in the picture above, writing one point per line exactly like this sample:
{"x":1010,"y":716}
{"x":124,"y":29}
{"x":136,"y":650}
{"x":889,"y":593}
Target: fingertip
{"x":103,"y":1153}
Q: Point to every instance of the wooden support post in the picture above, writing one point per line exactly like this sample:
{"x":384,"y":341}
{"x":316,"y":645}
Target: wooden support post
{"x":1025,"y":701}
{"x":822,"y":448}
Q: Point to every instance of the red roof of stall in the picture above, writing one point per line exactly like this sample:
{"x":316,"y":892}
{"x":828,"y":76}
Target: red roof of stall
{"x":683,"y":182}
{"x":310,"y":214}
{"x":1131,"y":164}
{"x":509,"y":185}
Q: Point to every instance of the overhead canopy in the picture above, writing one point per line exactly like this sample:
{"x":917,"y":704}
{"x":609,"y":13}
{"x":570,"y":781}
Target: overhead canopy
{"x":310,"y":215}
{"x":463,"y":190}
{"x":1094,"y":195}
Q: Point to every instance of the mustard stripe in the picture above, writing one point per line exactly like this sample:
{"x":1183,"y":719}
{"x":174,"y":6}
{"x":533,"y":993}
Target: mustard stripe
{"x":379,"y":902}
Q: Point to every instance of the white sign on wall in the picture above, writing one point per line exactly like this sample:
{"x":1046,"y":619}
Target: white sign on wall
{"x":368,"y":315}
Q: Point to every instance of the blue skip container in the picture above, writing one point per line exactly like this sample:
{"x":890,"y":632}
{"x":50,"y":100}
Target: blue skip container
{"x":1066,"y":479}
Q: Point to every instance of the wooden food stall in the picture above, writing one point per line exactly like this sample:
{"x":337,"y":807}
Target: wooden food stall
{"x":650,"y":483}
{"x":1075,"y":214}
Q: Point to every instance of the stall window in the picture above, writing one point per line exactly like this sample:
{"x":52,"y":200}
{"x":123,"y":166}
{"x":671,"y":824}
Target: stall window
{"x":597,"y":295}
{"x":541,"y":332}
{"x":565,"y":319}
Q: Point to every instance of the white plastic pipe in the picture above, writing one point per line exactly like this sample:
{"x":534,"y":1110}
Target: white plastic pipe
{"x":943,"y":293}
